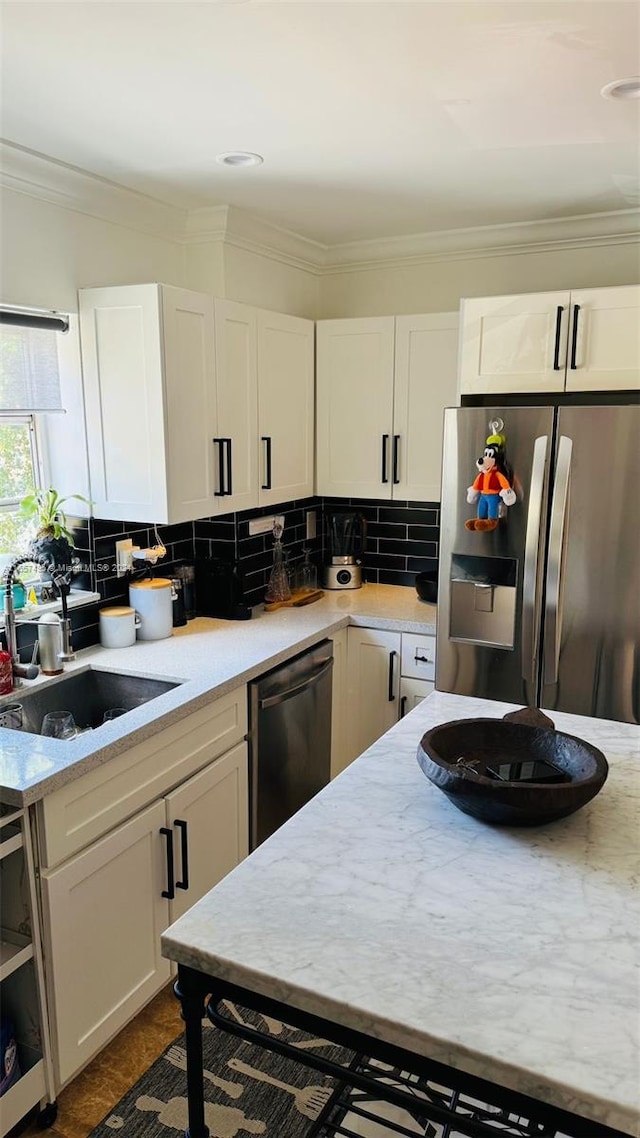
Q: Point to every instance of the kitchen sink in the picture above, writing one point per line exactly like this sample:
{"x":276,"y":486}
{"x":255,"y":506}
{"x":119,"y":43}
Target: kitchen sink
{"x":87,"y":694}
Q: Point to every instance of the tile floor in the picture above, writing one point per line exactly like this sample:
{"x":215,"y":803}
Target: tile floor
{"x":86,"y":1100}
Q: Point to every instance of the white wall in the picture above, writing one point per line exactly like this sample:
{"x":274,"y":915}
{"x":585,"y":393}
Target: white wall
{"x":270,"y":283}
{"x":49,"y":252}
{"x":438,"y":286}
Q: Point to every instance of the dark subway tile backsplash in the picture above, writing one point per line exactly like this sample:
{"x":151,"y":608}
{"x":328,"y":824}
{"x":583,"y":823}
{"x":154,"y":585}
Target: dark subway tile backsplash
{"x":402,"y":539}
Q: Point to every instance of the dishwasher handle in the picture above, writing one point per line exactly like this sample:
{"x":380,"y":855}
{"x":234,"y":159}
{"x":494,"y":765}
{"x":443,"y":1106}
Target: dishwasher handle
{"x":281,"y":696}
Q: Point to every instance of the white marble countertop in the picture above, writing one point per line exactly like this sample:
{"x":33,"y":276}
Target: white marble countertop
{"x":209,"y":657}
{"x":508,"y":953}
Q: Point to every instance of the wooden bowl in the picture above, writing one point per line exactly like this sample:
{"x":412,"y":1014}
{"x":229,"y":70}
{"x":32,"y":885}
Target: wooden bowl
{"x":454,"y":755}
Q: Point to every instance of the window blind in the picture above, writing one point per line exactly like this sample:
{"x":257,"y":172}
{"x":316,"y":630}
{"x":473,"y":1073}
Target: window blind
{"x":29,"y":369}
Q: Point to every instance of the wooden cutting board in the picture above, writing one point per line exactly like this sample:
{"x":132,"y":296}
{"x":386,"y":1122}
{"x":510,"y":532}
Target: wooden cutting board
{"x":295,"y":601}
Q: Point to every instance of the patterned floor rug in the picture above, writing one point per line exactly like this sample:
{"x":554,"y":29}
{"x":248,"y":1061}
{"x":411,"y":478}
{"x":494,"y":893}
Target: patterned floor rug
{"x":248,"y":1090}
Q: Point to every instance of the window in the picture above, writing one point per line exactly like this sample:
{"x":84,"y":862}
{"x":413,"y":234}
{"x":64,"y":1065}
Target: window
{"x":29,"y":383}
{"x":19,"y":475}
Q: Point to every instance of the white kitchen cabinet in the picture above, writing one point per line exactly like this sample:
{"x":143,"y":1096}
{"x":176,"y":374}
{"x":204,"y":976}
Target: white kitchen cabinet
{"x":373,"y":686}
{"x":265,"y":407}
{"x":286,"y":393}
{"x":124,"y":851}
{"x":22,"y":991}
{"x":340,"y":754}
{"x":417,"y":669}
{"x":236,"y":399}
{"x":412,"y":692}
{"x":194,"y":407}
{"x":209,"y":817}
{"x":382,"y":386}
{"x":149,"y":370}
{"x":585,"y":340}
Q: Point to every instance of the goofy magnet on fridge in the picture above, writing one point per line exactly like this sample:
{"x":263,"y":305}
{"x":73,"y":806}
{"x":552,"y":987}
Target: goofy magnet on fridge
{"x":491,"y":490}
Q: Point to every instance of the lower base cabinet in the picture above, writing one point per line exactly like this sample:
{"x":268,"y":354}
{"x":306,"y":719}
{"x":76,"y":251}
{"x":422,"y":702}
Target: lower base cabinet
{"x":373,"y":685}
{"x":106,"y":906}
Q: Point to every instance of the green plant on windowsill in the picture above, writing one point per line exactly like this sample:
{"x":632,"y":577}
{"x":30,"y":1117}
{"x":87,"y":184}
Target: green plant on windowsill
{"x":54,"y":539}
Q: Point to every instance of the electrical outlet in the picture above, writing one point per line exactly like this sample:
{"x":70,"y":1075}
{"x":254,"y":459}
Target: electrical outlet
{"x":264,"y":525}
{"x":124,"y":556}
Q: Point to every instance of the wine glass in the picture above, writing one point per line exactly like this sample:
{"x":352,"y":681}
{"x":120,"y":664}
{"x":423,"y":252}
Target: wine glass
{"x":113,"y":713}
{"x":59,"y":725}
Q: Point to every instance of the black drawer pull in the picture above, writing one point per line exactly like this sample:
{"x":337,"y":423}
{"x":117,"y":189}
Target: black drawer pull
{"x":396,"y":444}
{"x":556,"y":350}
{"x":220,"y":445}
{"x":403,"y":707}
{"x":574,"y":345}
{"x":385,"y":442}
{"x":169,"y":892}
{"x":392,"y":656}
{"x":184,"y":854}
{"x":266,"y":485}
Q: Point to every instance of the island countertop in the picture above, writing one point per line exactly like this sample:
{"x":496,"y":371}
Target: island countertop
{"x":209,"y":658}
{"x":511,"y":954}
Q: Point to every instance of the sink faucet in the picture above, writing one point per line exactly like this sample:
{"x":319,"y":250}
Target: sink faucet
{"x":25,"y":671}
{"x":61,"y":582}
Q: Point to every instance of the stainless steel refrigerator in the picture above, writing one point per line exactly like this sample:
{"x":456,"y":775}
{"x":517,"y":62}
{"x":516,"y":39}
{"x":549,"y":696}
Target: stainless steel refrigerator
{"x":544,"y":609}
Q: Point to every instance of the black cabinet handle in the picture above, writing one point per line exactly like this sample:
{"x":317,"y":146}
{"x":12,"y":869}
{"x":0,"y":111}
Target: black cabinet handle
{"x":267,"y":439}
{"x":556,"y":350}
{"x":396,"y":444}
{"x":220,"y":445}
{"x":229,"y":468}
{"x":403,"y":707}
{"x":385,"y":441}
{"x":392,"y":656}
{"x":169,"y":892}
{"x":184,"y":853}
{"x":574,"y":345}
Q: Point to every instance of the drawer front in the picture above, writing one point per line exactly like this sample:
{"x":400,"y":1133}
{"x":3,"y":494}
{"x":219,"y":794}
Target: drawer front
{"x":80,"y":812}
{"x":418,"y":656}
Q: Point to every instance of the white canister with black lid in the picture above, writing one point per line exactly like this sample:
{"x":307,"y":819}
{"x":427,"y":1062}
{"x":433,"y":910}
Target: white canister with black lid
{"x":118,"y":625}
{"x":153,"y":602}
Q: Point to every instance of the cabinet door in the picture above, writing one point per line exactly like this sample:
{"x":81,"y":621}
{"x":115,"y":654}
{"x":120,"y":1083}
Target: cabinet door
{"x":354,"y":363}
{"x":514,"y":343}
{"x":189,"y":382}
{"x":374,"y":671}
{"x":285,"y":407}
{"x":341,"y":755}
{"x":122,"y":369}
{"x":237,"y":406}
{"x":412,"y":692}
{"x":211,"y":810}
{"x":426,"y":381}
{"x":104,"y":915}
{"x":605,"y":352}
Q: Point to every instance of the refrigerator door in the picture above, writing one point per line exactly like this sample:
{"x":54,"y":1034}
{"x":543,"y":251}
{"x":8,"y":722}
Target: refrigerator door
{"x":489,"y":593}
{"x":591,"y":632}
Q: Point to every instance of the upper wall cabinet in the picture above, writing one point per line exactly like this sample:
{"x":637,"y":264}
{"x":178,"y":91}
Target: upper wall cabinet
{"x":583,"y":340}
{"x":265,"y":406}
{"x":148,"y":369}
{"x":382,"y":385}
{"x":194,"y":407}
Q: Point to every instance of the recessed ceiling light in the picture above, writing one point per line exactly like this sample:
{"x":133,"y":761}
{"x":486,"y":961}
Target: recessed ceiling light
{"x":239,"y":158}
{"x":622,"y":89}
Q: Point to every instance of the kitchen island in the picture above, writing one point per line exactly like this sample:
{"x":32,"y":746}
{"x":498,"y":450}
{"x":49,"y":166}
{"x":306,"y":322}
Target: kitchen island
{"x":508,"y":956}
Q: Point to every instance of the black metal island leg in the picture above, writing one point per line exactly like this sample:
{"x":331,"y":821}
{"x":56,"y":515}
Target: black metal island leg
{"x":190,"y":989}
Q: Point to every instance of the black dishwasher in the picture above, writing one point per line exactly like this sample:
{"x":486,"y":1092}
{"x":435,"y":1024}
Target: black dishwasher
{"x":289,"y":738}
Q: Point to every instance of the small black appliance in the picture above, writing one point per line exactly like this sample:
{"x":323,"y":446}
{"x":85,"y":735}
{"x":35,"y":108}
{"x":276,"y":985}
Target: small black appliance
{"x":346,"y":531}
{"x":219,"y":590}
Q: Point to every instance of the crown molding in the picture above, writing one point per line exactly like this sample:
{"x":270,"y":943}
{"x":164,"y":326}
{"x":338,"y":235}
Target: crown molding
{"x":34,"y":174}
{"x":246,"y":231}
{"x":593,"y":229}
{"x":61,"y":184}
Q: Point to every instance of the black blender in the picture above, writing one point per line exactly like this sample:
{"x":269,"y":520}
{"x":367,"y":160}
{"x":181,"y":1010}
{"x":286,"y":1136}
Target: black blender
{"x":346,"y":532}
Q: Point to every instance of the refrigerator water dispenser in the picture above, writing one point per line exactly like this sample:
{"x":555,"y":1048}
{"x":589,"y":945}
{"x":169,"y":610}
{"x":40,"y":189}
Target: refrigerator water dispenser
{"x":483,"y":600}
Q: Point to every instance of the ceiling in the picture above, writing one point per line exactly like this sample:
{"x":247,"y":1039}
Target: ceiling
{"x":375,"y":119}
